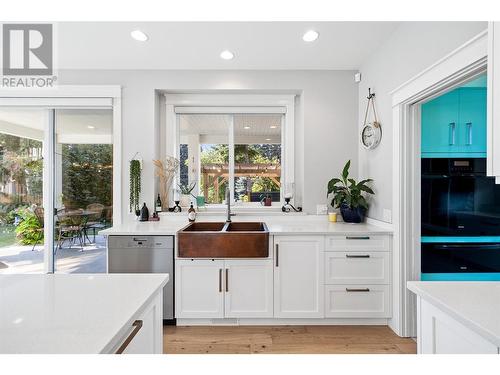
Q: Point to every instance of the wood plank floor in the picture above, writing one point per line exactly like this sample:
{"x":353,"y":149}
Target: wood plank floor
{"x":285,"y":339}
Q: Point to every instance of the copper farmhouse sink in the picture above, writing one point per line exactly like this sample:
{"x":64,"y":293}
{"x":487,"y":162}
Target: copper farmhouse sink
{"x":224,"y":240}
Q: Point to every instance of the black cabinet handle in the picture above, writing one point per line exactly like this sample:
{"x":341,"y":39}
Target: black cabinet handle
{"x":357,"y":256}
{"x":357,"y":289}
{"x":357,"y":238}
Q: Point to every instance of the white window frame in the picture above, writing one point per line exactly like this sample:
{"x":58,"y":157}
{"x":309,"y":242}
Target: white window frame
{"x":68,"y":96}
{"x":235,"y":104}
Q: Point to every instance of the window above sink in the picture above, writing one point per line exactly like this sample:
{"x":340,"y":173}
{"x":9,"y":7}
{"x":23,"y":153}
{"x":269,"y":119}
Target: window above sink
{"x":246,"y":143}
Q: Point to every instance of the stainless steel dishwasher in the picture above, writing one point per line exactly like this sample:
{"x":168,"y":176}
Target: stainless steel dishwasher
{"x":145,"y":254}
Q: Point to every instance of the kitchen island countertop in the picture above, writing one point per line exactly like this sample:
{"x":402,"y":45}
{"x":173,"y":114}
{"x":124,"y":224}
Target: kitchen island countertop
{"x":70,"y":313}
{"x":475,"y":304}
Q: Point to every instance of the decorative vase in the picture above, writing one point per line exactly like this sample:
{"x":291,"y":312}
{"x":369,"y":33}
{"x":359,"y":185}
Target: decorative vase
{"x":352,"y":215}
{"x":185,"y":200}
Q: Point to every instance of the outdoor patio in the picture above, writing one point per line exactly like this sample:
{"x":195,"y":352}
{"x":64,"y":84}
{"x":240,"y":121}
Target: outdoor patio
{"x":21,"y":259}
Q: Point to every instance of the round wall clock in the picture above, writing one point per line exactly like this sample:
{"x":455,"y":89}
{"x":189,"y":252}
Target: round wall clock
{"x":371,"y":134}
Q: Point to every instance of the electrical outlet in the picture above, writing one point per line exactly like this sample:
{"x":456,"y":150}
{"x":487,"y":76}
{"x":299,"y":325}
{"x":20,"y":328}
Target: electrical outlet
{"x":357,"y":77}
{"x":321,"y":209}
{"x":387,"y":215}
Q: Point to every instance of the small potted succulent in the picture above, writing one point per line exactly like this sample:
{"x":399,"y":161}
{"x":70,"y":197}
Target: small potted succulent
{"x":186,"y":193}
{"x":349,"y":196}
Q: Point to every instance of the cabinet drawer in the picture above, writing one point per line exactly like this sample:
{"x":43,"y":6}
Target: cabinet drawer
{"x":358,"y":242}
{"x":355,"y":267}
{"x":357,"y":301}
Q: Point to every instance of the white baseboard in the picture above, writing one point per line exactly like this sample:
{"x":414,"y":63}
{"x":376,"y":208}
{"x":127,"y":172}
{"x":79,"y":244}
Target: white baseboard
{"x":279,"y":322}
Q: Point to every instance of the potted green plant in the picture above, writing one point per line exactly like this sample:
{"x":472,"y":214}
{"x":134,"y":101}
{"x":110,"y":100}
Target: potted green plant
{"x":135,"y":186}
{"x":186,"y":193}
{"x":349,"y":196}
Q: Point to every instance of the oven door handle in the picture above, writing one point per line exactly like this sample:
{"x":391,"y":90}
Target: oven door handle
{"x":468,"y":245}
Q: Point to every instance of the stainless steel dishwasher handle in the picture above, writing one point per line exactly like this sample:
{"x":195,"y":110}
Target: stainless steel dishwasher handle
{"x":137,"y":327}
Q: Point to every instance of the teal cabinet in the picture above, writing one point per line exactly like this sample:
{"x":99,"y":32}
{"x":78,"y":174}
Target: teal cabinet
{"x":473,"y":120}
{"x":454,"y":124}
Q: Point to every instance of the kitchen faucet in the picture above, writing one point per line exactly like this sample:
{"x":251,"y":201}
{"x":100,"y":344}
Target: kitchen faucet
{"x":228,"y":202}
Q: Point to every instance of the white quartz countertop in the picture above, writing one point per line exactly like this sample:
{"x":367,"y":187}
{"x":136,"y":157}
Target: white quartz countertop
{"x":475,"y":304}
{"x":284,"y":225}
{"x":60,"y":313}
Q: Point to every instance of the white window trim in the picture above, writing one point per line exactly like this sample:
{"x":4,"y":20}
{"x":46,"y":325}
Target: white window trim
{"x":235,"y":103}
{"x":69,"y":96}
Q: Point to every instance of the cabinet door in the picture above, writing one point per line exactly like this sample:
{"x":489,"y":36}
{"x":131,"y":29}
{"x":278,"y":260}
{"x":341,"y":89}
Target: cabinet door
{"x":149,"y":338}
{"x":199,"y":288}
{"x":472,"y":121}
{"x":248,"y":286}
{"x":440,"y":133}
{"x":298,"y":276}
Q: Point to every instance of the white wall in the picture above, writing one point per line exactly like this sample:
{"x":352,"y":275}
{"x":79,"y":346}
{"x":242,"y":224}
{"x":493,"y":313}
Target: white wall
{"x":326,"y":118}
{"x":412,"y":47}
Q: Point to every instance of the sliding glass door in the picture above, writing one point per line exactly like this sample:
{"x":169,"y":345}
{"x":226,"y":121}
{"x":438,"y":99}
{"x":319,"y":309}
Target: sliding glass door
{"x":22,"y":134}
{"x":56,"y":187}
{"x":83,"y":188}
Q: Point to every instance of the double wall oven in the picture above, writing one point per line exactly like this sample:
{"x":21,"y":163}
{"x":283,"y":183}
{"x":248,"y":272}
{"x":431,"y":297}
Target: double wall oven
{"x":460,"y":213}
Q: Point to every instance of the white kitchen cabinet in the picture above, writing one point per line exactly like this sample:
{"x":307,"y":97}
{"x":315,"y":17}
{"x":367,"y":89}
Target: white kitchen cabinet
{"x":359,"y":242}
{"x":439,"y":333}
{"x":146,"y":334}
{"x":299,"y":276}
{"x":236,"y":288}
{"x":493,"y":121}
{"x":199,"y":288}
{"x":357,"y":301}
{"x":248,"y":288}
{"x":357,"y":267}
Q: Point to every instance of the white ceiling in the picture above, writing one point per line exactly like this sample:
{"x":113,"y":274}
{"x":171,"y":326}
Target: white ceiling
{"x":72,"y":125}
{"x":262,"y":128}
{"x":197,"y":45}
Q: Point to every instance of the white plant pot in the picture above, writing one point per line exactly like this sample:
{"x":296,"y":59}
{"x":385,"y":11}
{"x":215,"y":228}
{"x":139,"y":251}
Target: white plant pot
{"x":186,"y":200}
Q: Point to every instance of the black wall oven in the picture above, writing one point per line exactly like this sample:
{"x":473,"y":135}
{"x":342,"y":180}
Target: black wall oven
{"x":458,"y":199}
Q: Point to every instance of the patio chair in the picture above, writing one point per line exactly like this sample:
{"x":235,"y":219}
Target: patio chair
{"x":71,"y":226}
{"x":39,"y":214}
{"x":95,"y":221}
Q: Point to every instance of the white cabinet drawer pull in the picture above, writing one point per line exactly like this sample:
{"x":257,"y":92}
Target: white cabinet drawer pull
{"x":357,"y":237}
{"x":357,"y":256}
{"x":357,"y":289}
{"x":137,"y":327}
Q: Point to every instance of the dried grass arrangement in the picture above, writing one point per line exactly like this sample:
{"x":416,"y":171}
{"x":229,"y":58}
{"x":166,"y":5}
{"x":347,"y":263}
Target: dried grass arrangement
{"x":166,"y":171}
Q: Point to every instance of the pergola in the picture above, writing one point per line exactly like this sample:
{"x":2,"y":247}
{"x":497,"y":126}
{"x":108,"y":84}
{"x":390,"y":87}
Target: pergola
{"x":216,"y":174}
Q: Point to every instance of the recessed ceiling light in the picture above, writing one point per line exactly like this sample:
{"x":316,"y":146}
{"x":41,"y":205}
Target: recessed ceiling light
{"x":310,"y":36}
{"x":268,"y":139}
{"x":139,"y":35}
{"x":226,"y":55}
{"x":246,"y":127}
{"x":273,"y":126}
{"x":91,"y":127}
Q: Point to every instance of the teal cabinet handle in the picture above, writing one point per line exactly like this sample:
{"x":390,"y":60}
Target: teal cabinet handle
{"x":452,"y":133}
{"x":469,"y":133}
